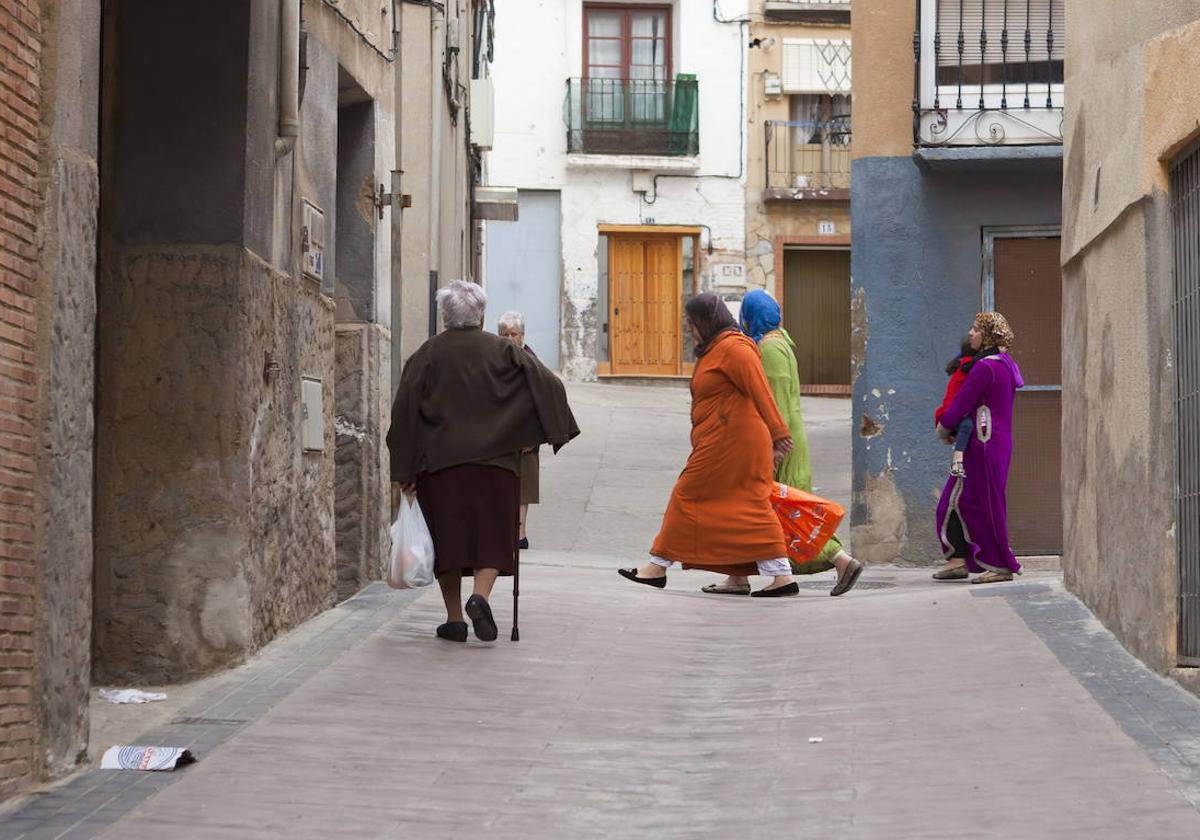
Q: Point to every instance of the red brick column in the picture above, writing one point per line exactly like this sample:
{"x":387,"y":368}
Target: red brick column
{"x":20,"y":52}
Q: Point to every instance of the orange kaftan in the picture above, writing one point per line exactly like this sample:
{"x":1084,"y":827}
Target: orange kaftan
{"x":720,"y":516}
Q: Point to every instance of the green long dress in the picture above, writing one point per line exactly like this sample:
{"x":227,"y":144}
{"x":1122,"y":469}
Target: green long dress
{"x":779,"y":363}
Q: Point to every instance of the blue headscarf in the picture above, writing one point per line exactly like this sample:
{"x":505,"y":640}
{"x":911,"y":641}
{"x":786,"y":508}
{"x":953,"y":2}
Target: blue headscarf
{"x":760,"y":314}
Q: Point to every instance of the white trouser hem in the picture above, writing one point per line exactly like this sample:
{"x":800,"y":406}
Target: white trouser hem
{"x":779,"y":567}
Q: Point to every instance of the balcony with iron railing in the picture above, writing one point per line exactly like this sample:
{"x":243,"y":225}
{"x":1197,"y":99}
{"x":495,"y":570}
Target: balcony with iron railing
{"x":807,"y":160}
{"x":808,"y":11}
{"x":633,"y":117}
{"x":988,"y":73}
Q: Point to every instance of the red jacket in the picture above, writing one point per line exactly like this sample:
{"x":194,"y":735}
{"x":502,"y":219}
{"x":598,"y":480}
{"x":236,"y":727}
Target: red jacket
{"x":956,"y":380}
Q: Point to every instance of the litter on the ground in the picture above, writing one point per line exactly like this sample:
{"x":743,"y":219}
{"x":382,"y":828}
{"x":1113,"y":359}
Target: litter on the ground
{"x":130,"y":695}
{"x":815,"y":740}
{"x":145,"y":758}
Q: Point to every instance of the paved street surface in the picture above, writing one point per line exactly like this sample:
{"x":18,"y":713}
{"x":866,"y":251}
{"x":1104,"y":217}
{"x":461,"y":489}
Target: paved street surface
{"x":904,"y":710}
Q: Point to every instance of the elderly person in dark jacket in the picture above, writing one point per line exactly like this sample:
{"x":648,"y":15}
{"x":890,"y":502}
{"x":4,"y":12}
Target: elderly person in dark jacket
{"x":511,"y":325}
{"x":468,"y":404}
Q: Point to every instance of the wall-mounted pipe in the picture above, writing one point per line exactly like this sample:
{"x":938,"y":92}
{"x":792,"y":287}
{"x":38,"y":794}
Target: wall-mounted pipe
{"x":289,"y":76}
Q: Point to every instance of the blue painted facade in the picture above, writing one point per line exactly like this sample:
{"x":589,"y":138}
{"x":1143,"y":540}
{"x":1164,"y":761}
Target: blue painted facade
{"x":917,"y":263}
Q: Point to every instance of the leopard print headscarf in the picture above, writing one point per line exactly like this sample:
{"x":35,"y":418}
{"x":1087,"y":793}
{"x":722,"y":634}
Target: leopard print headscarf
{"x":995,"y":330}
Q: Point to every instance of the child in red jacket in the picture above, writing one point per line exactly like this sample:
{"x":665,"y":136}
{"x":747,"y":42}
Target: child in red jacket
{"x":957,"y":369}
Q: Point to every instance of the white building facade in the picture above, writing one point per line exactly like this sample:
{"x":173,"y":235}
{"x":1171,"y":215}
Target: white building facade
{"x":623,"y":127}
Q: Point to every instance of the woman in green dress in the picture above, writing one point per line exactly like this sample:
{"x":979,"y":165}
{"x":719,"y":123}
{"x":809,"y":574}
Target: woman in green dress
{"x":761,"y":320}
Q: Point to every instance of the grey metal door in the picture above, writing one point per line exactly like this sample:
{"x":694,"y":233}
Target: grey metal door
{"x":524,"y":270}
{"x":1185,"y":248}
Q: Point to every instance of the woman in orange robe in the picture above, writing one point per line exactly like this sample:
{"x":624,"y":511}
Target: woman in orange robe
{"x":720,"y":516}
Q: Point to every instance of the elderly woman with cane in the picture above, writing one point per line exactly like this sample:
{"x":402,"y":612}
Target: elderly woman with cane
{"x":469,"y":403}
{"x":720,"y":516}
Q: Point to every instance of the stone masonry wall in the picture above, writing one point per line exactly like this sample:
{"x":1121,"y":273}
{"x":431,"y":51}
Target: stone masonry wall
{"x":360,"y":424}
{"x":288,"y":499}
{"x":20,"y":99}
{"x":214,"y":530}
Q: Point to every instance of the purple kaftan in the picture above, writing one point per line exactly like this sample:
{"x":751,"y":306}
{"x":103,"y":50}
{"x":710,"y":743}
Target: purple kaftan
{"x":986,"y":396}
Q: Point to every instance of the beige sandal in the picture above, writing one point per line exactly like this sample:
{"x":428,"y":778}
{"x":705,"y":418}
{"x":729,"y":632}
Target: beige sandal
{"x":993,"y":577}
{"x":725,"y":589}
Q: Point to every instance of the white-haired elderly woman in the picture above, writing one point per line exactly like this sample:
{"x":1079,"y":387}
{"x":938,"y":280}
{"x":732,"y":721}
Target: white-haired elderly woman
{"x":511,"y":326}
{"x":469,"y":403}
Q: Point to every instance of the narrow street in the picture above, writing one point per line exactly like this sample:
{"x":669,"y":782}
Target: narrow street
{"x":904,"y":710}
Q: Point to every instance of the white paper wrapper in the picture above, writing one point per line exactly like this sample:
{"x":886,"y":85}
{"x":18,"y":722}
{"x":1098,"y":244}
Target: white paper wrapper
{"x":145,"y":758}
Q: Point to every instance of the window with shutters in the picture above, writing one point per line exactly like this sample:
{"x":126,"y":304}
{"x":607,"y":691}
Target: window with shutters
{"x":990,"y":72}
{"x":1000,"y":42}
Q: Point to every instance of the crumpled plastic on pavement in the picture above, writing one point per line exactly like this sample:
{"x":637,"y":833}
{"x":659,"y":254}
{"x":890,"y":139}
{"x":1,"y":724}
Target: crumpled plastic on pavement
{"x":130,"y":695}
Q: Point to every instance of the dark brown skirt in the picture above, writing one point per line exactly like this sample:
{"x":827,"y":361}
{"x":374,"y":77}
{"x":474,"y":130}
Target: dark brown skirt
{"x":472,"y":513}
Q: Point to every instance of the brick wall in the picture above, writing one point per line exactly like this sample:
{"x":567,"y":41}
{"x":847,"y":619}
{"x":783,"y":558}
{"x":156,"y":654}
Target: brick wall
{"x":20,"y":52}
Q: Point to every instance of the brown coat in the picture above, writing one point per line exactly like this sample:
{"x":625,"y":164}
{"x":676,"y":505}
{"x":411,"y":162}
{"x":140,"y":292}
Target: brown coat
{"x":467,"y":396}
{"x":720,"y":516}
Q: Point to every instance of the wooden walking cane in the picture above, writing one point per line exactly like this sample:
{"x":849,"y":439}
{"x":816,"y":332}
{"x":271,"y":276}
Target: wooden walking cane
{"x":516,"y":634}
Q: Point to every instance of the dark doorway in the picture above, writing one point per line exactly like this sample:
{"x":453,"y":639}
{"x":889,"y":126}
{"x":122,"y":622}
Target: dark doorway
{"x":816,"y":312}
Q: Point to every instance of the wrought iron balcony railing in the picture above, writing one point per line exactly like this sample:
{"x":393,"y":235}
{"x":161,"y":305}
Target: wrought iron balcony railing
{"x":988,"y":72}
{"x":809,"y":11}
{"x":808,"y":159}
{"x":633,"y":116}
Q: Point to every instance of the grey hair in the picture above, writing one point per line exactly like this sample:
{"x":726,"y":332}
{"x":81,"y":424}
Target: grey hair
{"x":512,"y":320}
{"x":463,"y":304}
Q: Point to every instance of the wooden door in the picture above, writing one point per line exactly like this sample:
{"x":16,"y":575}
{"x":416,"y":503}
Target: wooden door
{"x":816,"y":312}
{"x":644,"y":296}
{"x":1028,"y":290}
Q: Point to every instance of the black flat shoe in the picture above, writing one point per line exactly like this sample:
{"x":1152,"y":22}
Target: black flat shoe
{"x":523,"y":544}
{"x":453,"y":631}
{"x":792,"y":588}
{"x":480,"y":614}
{"x":631,"y":574}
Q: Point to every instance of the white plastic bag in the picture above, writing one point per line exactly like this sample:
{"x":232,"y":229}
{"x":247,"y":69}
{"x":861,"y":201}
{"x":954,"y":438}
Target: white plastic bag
{"x":412,"y":548}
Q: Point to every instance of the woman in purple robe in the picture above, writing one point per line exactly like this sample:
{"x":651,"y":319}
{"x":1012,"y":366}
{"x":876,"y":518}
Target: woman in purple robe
{"x":972,"y":515}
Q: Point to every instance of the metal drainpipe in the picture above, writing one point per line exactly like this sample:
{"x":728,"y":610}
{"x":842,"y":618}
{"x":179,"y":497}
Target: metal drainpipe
{"x":436,"y":80}
{"x":289,"y":77}
{"x":400,"y":294}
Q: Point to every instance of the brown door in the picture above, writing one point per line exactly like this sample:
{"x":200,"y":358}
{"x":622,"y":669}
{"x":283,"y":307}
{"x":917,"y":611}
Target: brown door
{"x":644,"y":294}
{"x":816,"y":312}
{"x":1028,"y":286}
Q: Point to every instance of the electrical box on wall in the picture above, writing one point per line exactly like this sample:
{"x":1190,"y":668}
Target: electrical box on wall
{"x":312,"y":241}
{"x":772,"y":84}
{"x":483,"y":113}
{"x":312,"y":412}
{"x":728,"y":275}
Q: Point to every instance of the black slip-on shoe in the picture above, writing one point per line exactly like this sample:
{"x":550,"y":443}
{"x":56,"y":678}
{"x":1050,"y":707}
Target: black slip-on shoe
{"x":631,"y":574}
{"x":846,"y":582}
{"x":480,"y":613}
{"x":792,"y":588}
{"x":453,"y":631}
{"x":523,"y":544}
